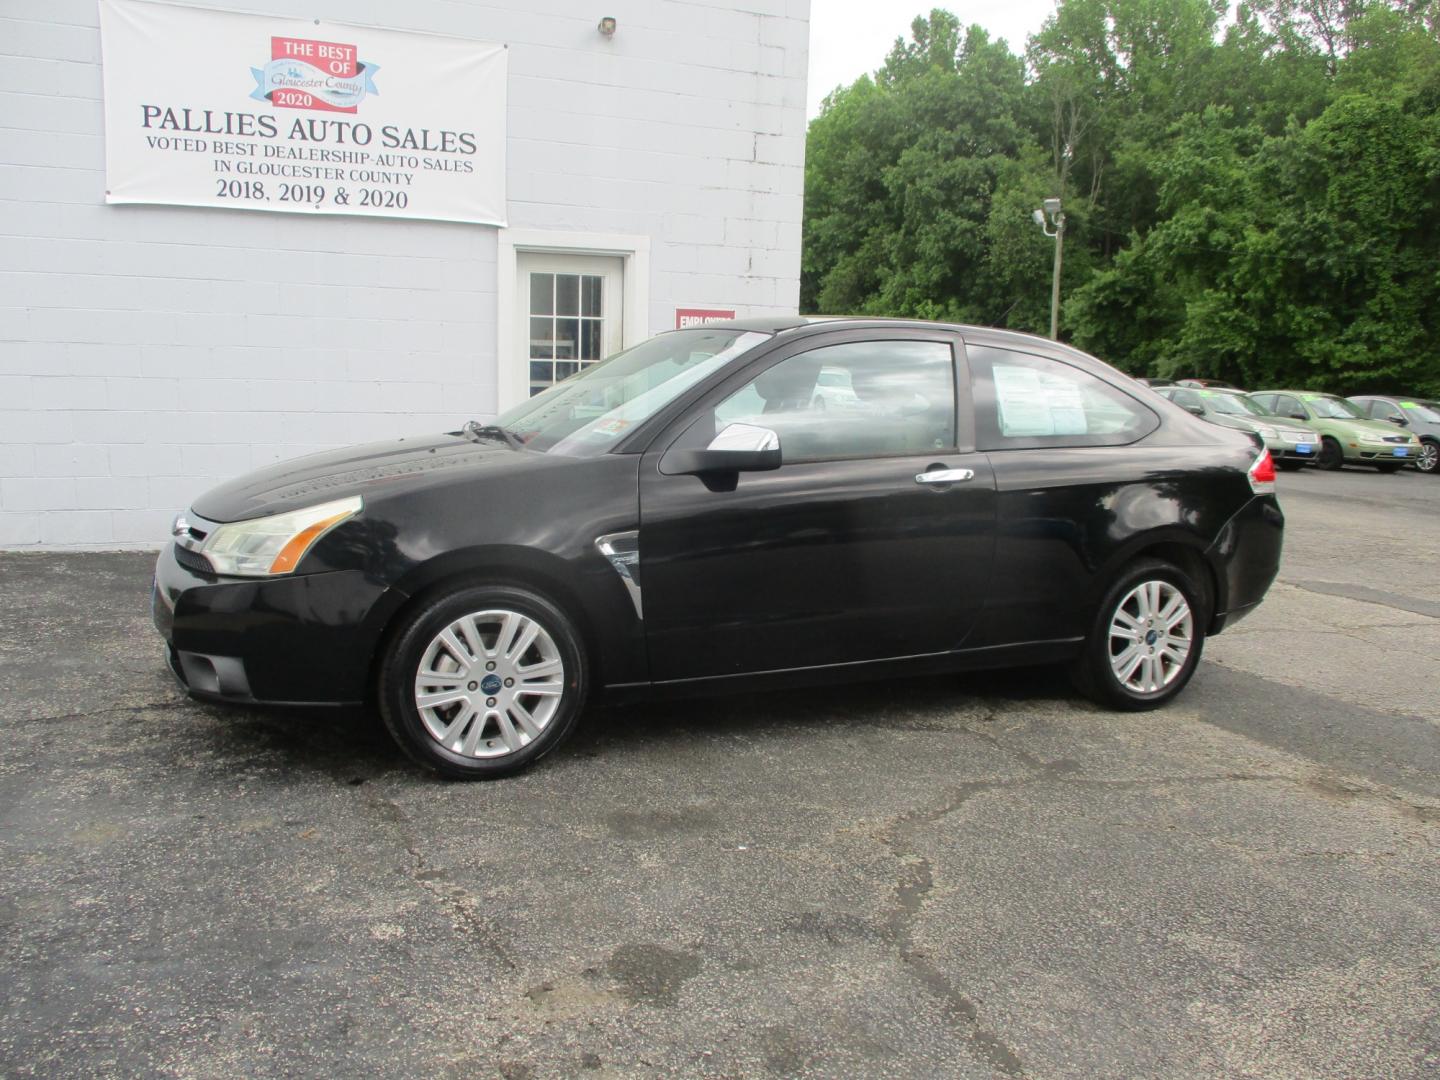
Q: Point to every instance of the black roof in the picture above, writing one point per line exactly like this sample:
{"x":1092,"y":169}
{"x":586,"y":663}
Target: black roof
{"x":978,"y":335}
{"x":777,"y":324}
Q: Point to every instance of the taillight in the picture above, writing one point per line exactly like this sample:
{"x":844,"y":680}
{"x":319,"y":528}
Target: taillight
{"x":1262,"y":474}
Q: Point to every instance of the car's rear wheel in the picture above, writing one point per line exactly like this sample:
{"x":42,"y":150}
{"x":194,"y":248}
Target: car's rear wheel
{"x":1429,"y":459}
{"x":1331,"y":455}
{"x":480,"y":682}
{"x":1146,"y":639}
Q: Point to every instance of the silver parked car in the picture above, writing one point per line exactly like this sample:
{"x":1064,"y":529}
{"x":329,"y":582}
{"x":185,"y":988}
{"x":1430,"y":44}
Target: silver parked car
{"x":1290,"y":445}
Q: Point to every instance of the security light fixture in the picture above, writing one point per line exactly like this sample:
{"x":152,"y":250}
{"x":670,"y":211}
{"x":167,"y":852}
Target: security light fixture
{"x":607,"y":26}
{"x":1056,"y":217}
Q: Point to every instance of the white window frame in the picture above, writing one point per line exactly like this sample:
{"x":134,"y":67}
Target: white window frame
{"x":512,"y":378}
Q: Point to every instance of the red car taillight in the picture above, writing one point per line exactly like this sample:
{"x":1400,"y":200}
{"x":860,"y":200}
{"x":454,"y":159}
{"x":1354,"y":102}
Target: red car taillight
{"x":1262,"y":474}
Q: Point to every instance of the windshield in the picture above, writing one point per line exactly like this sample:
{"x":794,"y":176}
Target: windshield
{"x":1329,"y":408}
{"x":1428,"y":411}
{"x":589,"y":412}
{"x":1233,"y":405}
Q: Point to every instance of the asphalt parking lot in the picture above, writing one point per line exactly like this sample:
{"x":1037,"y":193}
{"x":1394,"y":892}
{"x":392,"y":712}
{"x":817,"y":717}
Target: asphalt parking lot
{"x":978,"y":877}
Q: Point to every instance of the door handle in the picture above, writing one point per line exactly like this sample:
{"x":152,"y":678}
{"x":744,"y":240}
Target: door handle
{"x":944,"y":476}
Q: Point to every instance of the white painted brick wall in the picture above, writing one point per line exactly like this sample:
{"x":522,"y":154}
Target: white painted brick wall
{"x":147,"y":353}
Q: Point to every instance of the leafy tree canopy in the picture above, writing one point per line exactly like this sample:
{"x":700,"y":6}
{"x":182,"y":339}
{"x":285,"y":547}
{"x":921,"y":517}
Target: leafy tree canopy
{"x":1251,"y":197}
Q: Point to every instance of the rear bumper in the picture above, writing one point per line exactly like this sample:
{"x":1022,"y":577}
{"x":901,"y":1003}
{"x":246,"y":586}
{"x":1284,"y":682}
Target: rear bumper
{"x":1246,"y":557}
{"x":302,"y":640}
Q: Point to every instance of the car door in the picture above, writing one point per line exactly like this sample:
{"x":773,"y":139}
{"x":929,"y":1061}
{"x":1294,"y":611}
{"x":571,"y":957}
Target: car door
{"x":1383,"y":410}
{"x":1289,"y":406}
{"x":1071,"y":486}
{"x":1191,"y":401}
{"x":850,"y":551}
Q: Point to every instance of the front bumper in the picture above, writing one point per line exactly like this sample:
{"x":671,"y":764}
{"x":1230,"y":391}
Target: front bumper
{"x":1285,"y":450}
{"x":304,"y":639}
{"x":1383,"y":453}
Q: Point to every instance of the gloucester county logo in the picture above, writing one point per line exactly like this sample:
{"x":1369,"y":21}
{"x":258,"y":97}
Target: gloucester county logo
{"x":323,"y":75}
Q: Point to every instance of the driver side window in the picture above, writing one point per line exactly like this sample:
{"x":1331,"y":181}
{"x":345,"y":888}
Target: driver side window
{"x":859,"y":399}
{"x":1289,"y":406}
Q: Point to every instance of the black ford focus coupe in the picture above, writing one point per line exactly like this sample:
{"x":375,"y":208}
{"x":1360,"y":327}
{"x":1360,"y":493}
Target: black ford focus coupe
{"x":739,"y":505}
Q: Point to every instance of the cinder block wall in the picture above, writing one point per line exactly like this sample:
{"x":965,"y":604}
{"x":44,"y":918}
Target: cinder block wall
{"x":147,"y":353}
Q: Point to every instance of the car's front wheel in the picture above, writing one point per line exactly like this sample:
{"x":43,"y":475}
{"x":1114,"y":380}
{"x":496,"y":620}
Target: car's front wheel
{"x":1146,"y":638}
{"x":480,"y":682}
{"x":1429,"y":459}
{"x":1331,"y":454}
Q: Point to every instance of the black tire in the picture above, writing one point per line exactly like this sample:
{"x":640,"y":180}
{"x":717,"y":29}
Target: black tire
{"x":1331,"y":455}
{"x":1429,"y":460}
{"x":1289,"y":465}
{"x":1388,"y":469}
{"x":400,"y":668}
{"x":1093,"y":673}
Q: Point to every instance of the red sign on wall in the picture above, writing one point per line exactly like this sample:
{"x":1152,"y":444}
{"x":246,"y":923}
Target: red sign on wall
{"x":308,"y":74}
{"x":692,"y":316}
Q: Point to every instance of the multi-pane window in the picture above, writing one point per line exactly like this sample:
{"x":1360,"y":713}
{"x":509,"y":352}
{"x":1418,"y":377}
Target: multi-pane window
{"x":566,"y":320}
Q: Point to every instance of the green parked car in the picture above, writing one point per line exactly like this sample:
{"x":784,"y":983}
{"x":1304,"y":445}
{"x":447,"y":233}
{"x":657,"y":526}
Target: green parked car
{"x":1346,"y":435}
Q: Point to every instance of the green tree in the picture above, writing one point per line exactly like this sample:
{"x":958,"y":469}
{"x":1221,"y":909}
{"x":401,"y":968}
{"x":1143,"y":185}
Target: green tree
{"x":1255,"y":200}
{"x":900,"y":176}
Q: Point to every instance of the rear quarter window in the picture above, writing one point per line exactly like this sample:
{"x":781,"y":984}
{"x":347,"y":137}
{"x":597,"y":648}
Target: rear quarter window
{"x":1025,"y":400}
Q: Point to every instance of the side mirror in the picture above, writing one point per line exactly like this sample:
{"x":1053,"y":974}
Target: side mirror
{"x":1298,"y":416}
{"x":1194,"y":410}
{"x":739,"y":448}
{"x":1398,"y":421}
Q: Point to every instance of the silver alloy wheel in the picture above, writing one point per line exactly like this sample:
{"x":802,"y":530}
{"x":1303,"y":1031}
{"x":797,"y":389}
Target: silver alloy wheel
{"x":1429,"y":457}
{"x":489,"y":684}
{"x":1151,"y":634}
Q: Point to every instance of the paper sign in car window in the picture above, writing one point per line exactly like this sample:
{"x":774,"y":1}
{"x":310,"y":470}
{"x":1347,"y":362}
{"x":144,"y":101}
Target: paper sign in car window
{"x":1407,"y":404}
{"x":1067,"y":404}
{"x":1024,"y":407}
{"x":1036,"y":403}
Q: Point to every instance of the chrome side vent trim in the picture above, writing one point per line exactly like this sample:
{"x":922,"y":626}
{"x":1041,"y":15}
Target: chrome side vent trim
{"x":622,"y":551}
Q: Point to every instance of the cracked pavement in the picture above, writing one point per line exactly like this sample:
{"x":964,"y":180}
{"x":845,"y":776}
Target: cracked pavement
{"x":962,"y":877}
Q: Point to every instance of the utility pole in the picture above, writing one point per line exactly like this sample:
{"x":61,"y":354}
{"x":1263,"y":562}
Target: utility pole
{"x":1056,"y":217}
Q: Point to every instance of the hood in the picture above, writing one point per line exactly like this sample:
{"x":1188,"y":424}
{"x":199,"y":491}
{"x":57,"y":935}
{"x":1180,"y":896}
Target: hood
{"x":370,"y":469}
{"x":1367,"y":427}
{"x":1239,"y":423}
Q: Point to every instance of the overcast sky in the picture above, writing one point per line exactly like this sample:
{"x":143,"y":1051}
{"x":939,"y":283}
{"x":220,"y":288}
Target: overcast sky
{"x":851,"y":37}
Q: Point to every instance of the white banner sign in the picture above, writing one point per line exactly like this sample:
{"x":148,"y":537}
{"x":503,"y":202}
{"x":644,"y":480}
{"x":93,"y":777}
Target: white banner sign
{"x":209,"y":108}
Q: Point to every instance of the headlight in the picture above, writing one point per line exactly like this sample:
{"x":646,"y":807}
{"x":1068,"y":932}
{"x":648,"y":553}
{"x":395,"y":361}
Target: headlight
{"x":1267,"y":432}
{"x":276,"y":544}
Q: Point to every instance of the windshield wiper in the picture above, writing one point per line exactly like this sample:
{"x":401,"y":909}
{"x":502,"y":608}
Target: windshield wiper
{"x":476,"y":432}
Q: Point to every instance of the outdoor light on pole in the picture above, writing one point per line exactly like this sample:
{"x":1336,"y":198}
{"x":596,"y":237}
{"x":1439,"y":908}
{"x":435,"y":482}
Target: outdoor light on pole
{"x":1056,"y":217}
